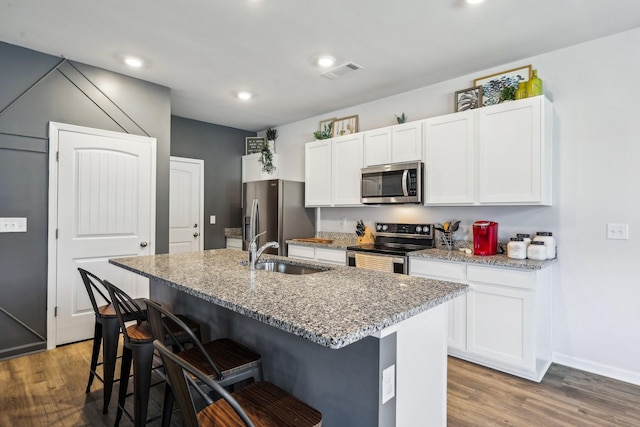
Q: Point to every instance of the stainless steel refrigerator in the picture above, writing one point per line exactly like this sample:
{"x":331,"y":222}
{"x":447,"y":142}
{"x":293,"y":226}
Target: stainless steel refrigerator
{"x":278,"y":208}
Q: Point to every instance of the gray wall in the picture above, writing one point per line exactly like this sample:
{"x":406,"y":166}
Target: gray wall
{"x":221,"y":149}
{"x":35,"y":89}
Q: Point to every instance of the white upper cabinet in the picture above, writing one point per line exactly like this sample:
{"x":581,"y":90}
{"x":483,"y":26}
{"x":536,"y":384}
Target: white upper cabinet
{"x":498,"y":155}
{"x":450,"y":166}
{"x":514,"y":153}
{"x":252,"y":168}
{"x":347,"y":162}
{"x":394,"y":144}
{"x":317,"y":173}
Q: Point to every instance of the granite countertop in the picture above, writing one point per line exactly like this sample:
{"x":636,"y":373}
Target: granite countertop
{"x":233,"y":232}
{"x":338,"y":240}
{"x":500,"y":260}
{"x":332,"y":308}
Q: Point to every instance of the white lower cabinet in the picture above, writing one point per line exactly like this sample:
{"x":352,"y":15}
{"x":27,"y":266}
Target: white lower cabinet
{"x":328,"y":255}
{"x":503,"y":322}
{"x":234,"y":243}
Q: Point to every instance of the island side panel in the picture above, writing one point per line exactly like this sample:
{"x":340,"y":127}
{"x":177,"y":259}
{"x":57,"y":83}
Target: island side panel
{"x":344,"y":384}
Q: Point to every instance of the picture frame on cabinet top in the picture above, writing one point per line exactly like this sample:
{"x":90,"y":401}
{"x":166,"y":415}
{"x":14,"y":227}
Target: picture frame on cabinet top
{"x":253,"y":144}
{"x":493,"y":84}
{"x":468,"y":99}
{"x":345,"y":126}
{"x":327,"y":122}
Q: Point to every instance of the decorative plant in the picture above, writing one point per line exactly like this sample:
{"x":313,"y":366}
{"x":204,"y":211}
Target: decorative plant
{"x":508,"y":93}
{"x":266,"y":159}
{"x":325,"y":133}
{"x":272,"y":134}
{"x":401,"y":118}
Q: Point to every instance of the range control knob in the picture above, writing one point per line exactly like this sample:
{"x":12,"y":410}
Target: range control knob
{"x":379,"y":227}
{"x":418,"y":229}
{"x":425,"y":229}
{"x":384,"y":227}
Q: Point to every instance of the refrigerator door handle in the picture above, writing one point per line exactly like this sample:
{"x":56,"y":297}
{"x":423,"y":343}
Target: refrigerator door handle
{"x":253,"y":224}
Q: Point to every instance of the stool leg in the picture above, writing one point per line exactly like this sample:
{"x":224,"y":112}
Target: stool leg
{"x":110,"y":337}
{"x":97,"y":337}
{"x":125,"y":369}
{"x":142,"y":362}
{"x":167,"y":405}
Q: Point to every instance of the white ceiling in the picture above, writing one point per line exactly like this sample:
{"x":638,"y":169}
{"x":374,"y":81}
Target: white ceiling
{"x":208,"y":50}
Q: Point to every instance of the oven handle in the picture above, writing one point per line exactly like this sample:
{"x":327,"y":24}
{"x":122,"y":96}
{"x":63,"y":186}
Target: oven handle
{"x":405,"y":183}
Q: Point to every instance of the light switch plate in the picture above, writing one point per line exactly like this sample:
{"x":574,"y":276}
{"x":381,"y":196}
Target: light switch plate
{"x":618,"y":231}
{"x":13,"y":225}
{"x":388,"y":383}
{"x":212,"y":219}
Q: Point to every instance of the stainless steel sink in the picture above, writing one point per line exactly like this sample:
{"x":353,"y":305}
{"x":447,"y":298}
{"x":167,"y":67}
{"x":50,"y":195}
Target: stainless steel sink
{"x":287,"y":268}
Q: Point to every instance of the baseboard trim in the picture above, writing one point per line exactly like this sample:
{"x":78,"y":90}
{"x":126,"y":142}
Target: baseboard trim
{"x":597,"y":368}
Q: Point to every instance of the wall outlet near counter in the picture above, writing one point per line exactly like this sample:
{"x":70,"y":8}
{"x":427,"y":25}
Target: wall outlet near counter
{"x":388,"y":383}
{"x":617,"y":231}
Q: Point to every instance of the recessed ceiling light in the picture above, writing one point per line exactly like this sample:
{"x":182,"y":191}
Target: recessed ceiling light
{"x":474,"y":1}
{"x":133,"y":62}
{"x":244,"y":95}
{"x":326,"y":61}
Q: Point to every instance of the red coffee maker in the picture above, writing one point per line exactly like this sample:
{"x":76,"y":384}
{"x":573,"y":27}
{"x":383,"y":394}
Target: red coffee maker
{"x":485,"y":238}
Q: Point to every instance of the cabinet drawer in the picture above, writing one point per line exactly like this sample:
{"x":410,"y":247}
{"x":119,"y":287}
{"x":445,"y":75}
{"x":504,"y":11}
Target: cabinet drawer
{"x":335,"y":256}
{"x":437,"y":269}
{"x":501,"y":276}
{"x":234,"y":243}
{"x":297,"y":251}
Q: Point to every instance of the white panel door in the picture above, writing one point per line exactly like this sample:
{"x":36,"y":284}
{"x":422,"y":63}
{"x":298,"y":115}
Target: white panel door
{"x":186,"y":210}
{"x":105,"y":209}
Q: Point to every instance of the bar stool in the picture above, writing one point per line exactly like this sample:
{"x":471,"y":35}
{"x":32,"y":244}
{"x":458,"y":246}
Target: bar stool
{"x":106,"y":332}
{"x":138,"y":348}
{"x":258,"y":404}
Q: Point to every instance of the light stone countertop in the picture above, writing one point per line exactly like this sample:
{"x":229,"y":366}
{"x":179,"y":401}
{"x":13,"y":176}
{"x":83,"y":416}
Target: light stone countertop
{"x":339,"y":240}
{"x":235,"y":233}
{"x":500,"y":260}
{"x":333,"y":308}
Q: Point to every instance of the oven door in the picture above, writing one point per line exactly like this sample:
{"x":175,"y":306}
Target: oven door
{"x":378,"y":262}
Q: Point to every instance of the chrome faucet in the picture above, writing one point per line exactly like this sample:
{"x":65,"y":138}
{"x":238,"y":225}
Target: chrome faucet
{"x":254,"y":253}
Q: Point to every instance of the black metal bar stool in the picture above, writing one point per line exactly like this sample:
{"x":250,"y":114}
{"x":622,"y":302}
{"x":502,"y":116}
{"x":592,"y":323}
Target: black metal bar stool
{"x":138,"y":348}
{"x":106,"y":333}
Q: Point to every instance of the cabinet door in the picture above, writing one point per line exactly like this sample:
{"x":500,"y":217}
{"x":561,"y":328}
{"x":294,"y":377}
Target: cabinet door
{"x":450,"y":159}
{"x":332,"y":256}
{"x":347,"y":162}
{"x":500,"y":324}
{"x":510,"y":153}
{"x":317,"y":173}
{"x":406,"y":142}
{"x":377,"y":147}
{"x":252,"y":168}
{"x":302,"y":252}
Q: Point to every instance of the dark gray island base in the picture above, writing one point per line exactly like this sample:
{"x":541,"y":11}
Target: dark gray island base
{"x":325,"y":337}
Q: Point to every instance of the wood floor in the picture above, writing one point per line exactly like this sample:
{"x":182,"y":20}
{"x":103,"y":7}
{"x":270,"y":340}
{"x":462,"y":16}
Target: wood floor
{"x":47,"y":389}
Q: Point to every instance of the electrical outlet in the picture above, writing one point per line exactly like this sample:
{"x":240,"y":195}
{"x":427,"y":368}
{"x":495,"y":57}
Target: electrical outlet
{"x":618,"y":231}
{"x":388,"y":383}
{"x":212,"y":219}
{"x":13,"y":225}
{"x":343,"y":223}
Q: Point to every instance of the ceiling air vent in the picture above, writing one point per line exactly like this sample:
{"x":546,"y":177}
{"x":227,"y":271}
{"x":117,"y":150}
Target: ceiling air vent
{"x":341,"y":70}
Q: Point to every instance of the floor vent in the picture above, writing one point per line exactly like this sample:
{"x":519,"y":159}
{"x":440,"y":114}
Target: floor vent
{"x":341,"y":70}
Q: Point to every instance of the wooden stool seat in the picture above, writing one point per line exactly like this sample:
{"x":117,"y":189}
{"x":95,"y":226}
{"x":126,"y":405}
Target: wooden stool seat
{"x":141,"y":332}
{"x":230,"y":356}
{"x":266,"y":405}
{"x":107,"y":310}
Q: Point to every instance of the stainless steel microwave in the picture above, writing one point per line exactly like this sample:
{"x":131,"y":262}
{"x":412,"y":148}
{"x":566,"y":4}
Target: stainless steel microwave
{"x":392,"y":183}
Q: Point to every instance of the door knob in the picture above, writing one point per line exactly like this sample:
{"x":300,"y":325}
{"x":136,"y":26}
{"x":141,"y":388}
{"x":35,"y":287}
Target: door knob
{"x":196,"y":234}
{"x":143,"y":244}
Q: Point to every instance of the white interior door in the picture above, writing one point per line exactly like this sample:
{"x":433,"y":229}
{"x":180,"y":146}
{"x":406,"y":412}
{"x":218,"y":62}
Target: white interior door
{"x":104,"y":183}
{"x":186,"y":205}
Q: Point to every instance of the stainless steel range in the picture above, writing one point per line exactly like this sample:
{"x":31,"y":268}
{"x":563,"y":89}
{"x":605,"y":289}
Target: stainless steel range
{"x":392,"y":244}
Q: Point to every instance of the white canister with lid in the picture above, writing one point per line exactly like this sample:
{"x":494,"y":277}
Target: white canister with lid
{"x":525,"y":237}
{"x":537,"y":251}
{"x":517,"y":248}
{"x":546,"y":237}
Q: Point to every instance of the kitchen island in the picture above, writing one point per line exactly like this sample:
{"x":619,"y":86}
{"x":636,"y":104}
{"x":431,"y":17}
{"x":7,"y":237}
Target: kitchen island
{"x":365,"y":348}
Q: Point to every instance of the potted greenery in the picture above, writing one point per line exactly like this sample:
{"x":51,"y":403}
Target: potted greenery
{"x":266,"y":155}
{"x":508,"y":93}
{"x":325,"y":132}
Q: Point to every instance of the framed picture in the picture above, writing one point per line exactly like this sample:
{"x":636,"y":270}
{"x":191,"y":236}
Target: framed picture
{"x":492,"y":85}
{"x":253,"y":144}
{"x":345,"y":126}
{"x":468,"y":99}
{"x":325,"y":123}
